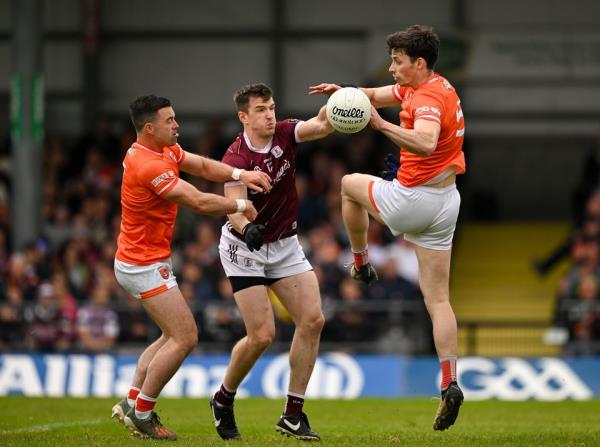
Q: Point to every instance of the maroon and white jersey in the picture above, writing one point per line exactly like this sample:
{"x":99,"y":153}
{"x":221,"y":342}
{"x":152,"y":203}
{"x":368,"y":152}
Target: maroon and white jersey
{"x":277,"y":209}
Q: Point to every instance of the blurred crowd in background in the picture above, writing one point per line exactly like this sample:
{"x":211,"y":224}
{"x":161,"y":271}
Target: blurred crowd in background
{"x":578,"y":302}
{"x":59,"y":292}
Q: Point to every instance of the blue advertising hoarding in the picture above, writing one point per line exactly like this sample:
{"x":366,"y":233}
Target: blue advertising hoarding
{"x":336,"y":375}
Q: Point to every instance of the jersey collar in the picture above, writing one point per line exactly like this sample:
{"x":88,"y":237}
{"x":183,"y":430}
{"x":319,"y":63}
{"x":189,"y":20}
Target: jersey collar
{"x":141,"y":146}
{"x":263,"y":150}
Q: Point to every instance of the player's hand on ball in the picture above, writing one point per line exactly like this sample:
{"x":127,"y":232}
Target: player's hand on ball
{"x":324,"y":88}
{"x":256,"y":180}
{"x":250,"y":212}
{"x":376,"y":119}
{"x":253,"y":235}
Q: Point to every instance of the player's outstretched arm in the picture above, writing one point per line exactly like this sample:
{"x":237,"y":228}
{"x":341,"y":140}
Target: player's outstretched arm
{"x":315,"y":128}
{"x":217,"y":171}
{"x":187,"y":195}
{"x":379,"y":96}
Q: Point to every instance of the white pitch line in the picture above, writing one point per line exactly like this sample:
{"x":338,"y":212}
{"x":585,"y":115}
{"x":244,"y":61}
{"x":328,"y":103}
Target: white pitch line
{"x":51,"y":426}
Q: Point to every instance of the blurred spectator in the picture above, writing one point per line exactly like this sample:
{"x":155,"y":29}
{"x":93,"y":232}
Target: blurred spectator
{"x":134,"y":324}
{"x":222,"y":320}
{"x":351,"y":321}
{"x":405,"y":259}
{"x":22,"y":276}
{"x":11,"y":319}
{"x":49,"y":321}
{"x":390,"y":285}
{"x":579,"y":311}
{"x":98,"y":323}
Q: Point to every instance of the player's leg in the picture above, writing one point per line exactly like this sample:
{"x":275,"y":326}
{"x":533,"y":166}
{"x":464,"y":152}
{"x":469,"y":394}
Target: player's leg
{"x":257,"y":313}
{"x":120,"y":409}
{"x":171,"y":313}
{"x":357,"y":204}
{"x":300,"y":296}
{"x":434,"y":277}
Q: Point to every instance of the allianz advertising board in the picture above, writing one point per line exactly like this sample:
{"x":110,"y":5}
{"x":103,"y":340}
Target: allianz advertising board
{"x":336,"y":375}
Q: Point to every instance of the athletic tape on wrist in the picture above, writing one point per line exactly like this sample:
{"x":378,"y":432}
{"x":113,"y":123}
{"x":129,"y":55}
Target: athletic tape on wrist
{"x":241,"y":205}
{"x":236,"y":173}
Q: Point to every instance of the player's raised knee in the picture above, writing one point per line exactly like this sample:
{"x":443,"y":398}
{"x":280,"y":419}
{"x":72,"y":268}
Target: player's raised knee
{"x":349,"y":183}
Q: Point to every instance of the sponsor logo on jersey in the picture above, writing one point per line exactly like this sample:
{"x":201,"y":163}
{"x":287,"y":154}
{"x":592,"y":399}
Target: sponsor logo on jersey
{"x":131,"y":152}
{"x":428,"y":109}
{"x":269,"y":164}
{"x":281,"y":172}
{"x":162,"y":177}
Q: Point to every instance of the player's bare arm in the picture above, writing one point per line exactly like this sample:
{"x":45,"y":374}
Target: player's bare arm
{"x":237,"y":220}
{"x":379,"y":96}
{"x":217,"y":171}
{"x":422,"y":140}
{"x":185,"y":194}
{"x":315,"y":128}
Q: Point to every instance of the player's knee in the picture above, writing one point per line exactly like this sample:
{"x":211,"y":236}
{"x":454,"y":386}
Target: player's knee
{"x":348,"y":181}
{"x":314,"y":324}
{"x":261,"y":340}
{"x":436,"y":299}
{"x":189,"y":341}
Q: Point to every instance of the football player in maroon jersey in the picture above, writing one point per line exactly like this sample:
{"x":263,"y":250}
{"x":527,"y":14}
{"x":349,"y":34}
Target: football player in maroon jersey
{"x":266,"y":253}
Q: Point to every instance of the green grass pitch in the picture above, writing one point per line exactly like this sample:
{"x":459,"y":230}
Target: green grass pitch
{"x":86,"y":422}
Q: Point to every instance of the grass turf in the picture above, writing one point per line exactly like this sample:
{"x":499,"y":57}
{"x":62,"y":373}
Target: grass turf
{"x":65,"y":422}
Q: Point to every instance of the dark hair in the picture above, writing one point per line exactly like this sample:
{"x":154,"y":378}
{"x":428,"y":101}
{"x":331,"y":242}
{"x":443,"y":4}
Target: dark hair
{"x":144,"y":109}
{"x":416,"y":41}
{"x":243,"y":95}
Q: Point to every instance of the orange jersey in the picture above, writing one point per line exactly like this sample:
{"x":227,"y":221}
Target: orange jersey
{"x":147,"y":219}
{"x":434,"y":100}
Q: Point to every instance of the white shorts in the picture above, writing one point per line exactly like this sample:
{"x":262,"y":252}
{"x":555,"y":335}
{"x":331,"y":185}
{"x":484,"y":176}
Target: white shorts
{"x":274,"y":260}
{"x":427,"y":216}
{"x":145,"y":281}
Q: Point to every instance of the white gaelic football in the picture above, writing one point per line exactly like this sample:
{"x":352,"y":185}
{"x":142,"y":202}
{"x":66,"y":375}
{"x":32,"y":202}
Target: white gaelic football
{"x":348,"y":110}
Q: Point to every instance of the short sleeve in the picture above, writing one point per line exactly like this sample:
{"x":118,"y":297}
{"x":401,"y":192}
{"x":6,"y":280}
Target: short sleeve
{"x":158,"y":176}
{"x":179,"y":153}
{"x":287,"y":129}
{"x":233,"y":158}
{"x":399,"y":92}
{"x":427,"y":106}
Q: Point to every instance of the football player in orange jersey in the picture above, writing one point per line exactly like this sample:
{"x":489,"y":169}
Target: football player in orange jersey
{"x":422,"y":202}
{"x":150,"y":194}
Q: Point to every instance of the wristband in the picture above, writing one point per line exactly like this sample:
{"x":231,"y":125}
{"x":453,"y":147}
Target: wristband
{"x":236,"y":173}
{"x":241,"y":205}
